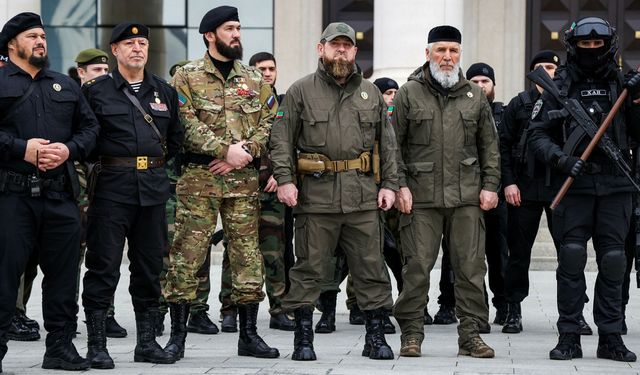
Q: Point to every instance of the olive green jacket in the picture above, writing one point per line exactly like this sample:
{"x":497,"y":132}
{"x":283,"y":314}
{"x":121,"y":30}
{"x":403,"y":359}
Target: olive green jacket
{"x":320,"y":116}
{"x":448,"y":146}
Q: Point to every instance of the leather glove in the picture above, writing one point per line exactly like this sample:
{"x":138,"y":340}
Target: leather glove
{"x":571,"y":165}
{"x":632,"y":83}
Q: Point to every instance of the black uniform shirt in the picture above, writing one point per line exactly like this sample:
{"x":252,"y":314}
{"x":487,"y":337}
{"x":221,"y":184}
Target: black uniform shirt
{"x":125,"y":133}
{"x":55,"y":110}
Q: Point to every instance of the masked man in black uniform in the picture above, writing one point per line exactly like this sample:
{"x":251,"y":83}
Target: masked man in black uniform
{"x":598,"y":204}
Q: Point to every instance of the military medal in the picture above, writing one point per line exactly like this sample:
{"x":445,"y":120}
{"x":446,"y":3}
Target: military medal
{"x":57,"y":87}
{"x":364,"y":95}
{"x":470,"y":94}
{"x":155,"y":93}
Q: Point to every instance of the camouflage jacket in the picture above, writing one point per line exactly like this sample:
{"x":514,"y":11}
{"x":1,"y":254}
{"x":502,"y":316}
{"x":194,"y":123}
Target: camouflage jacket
{"x":447,"y":144}
{"x":320,"y":116}
{"x":217,"y":113}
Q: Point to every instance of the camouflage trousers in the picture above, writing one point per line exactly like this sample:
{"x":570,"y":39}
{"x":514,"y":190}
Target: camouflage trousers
{"x":204,"y":281}
{"x":271,"y":239}
{"x":196,"y":218}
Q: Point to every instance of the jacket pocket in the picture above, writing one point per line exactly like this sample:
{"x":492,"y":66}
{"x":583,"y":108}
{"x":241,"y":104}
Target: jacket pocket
{"x":368,"y":119}
{"x":470,"y":123}
{"x":470,"y":181}
{"x":421,"y":181}
{"x":420,"y":124}
{"x":64,"y":103}
{"x":314,"y":130}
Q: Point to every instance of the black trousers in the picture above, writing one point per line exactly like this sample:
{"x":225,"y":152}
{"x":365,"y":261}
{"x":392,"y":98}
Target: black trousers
{"x":496,"y":250}
{"x":523,"y":224}
{"x":145,"y":229}
{"x":577,"y":219}
{"x":50,"y":230}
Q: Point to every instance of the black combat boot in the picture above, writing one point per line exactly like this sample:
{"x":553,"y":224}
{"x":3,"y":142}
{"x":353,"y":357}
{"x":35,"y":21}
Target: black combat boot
{"x":199,"y":322}
{"x":584,"y":329}
{"x":27,"y":321}
{"x":389,"y":328}
{"x":19,"y":331}
{"x":445,"y":315}
{"x":249,"y":342}
{"x":179,"y":313}
{"x":303,"y":336}
{"x":158,"y":323}
{"x":97,"y":352}
{"x":282,"y":322}
{"x":60,"y":352}
{"x":356,"y":316}
{"x":501,"y":314}
{"x":376,"y":346}
{"x":327,"y":322}
{"x":568,"y":347}
{"x":113,"y":329}
{"x":147,"y":349}
{"x":611,"y":347}
{"x":229,"y":320}
{"x":513,"y":324}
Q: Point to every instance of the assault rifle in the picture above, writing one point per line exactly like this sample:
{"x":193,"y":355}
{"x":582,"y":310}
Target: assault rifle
{"x":573,"y":108}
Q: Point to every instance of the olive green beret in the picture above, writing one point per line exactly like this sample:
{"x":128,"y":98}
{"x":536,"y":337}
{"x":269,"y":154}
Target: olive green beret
{"x":92,"y":56}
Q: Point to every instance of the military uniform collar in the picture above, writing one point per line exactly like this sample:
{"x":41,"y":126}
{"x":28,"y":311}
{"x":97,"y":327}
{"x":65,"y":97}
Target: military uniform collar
{"x":147,"y":81}
{"x":237,"y":70}
{"x":351,"y":85}
{"x":13,"y":69}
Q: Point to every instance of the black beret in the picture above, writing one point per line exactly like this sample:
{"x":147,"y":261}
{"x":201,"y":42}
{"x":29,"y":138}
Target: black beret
{"x":19,"y":23}
{"x":481,"y":69}
{"x":128,"y":30}
{"x":385,"y":84}
{"x":216,"y":17}
{"x":444,"y":33}
{"x":545,"y":56}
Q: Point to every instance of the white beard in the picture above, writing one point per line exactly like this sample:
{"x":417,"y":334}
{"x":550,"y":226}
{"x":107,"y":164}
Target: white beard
{"x":445,"y":79}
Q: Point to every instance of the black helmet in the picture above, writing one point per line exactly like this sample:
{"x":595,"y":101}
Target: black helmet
{"x":591,"y":59}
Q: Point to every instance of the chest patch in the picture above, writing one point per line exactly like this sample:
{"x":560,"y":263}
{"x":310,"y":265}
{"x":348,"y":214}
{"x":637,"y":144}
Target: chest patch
{"x":536,"y":109}
{"x":594,"y":92}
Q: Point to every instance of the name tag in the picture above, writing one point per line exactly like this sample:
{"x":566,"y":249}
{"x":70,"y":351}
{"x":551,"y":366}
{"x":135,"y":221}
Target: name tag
{"x":162,"y":107}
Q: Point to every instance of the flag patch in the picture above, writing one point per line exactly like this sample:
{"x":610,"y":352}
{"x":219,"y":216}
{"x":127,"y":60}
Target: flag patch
{"x":271,"y":101}
{"x":182,"y":100}
{"x":279,"y":115}
{"x":390,"y":110}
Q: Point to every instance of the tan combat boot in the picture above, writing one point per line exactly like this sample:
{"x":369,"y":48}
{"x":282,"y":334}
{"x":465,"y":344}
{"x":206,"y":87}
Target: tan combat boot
{"x":410,"y":346}
{"x":475,"y":347}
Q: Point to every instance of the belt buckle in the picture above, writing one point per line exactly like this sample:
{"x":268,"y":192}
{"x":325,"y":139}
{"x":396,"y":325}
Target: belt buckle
{"x":142,"y":162}
{"x":148,"y":118}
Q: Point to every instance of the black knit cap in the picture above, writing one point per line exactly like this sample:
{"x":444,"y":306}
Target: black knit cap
{"x":444,"y":33}
{"x":19,"y":23}
{"x":385,"y":84}
{"x":128,"y":30}
{"x":481,"y":69}
{"x":545,"y":56}
{"x":216,"y":17}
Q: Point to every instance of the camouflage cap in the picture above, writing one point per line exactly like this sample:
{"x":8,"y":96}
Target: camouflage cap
{"x":177,"y":65}
{"x":337,"y":29}
{"x":92,"y":56}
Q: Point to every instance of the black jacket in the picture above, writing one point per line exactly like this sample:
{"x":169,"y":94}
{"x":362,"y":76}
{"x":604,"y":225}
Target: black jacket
{"x":125,"y":133}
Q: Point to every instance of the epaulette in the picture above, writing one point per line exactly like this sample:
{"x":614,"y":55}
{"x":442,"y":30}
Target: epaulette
{"x":96,"y":80}
{"x":160,"y":79}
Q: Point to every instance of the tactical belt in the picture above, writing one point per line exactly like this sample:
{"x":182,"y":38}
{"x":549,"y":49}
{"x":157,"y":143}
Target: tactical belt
{"x":137,"y":162}
{"x":22,"y":183}
{"x":318,"y":163}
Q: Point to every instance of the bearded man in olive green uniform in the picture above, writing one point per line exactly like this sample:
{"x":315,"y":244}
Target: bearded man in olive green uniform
{"x":449,"y":171}
{"x":226,"y":127}
{"x":331,"y":121}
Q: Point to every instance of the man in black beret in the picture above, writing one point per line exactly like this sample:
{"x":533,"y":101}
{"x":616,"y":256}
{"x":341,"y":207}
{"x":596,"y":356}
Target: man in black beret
{"x":46,"y":124}
{"x":450,"y":209}
{"x":140,"y":131}
{"x":220,"y":169}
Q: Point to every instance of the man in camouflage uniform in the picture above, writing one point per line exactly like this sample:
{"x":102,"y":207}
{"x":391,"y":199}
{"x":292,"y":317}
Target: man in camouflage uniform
{"x":334,"y":118}
{"x":270,"y":230}
{"x":226,"y":126}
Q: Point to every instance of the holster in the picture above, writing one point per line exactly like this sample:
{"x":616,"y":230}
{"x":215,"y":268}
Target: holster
{"x":93,"y":171}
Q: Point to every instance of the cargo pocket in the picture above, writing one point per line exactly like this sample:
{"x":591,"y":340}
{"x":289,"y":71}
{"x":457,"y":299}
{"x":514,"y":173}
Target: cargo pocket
{"x":250,"y":120}
{"x":420,"y":123}
{"x":407,"y":239}
{"x":301,"y":243}
{"x":368,"y":119}
{"x":470,"y":121}
{"x":314,"y":130}
{"x":421,"y":181}
{"x":470,"y":181}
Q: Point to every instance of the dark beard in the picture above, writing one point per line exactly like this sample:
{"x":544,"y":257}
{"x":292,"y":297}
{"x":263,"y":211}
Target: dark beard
{"x":338,"y":69}
{"x":36,"y":62}
{"x":491,"y":96}
{"x":233,"y":53}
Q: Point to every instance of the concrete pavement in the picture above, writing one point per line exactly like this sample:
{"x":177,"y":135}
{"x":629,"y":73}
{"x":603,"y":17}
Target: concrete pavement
{"x":340,"y":352}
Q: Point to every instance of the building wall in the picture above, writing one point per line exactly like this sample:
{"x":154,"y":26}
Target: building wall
{"x":9,"y":8}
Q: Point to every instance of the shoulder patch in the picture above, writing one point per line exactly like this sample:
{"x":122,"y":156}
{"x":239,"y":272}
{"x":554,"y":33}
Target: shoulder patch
{"x":279,"y":115}
{"x":271,"y":101}
{"x":536,"y":108}
{"x":182,"y":100}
